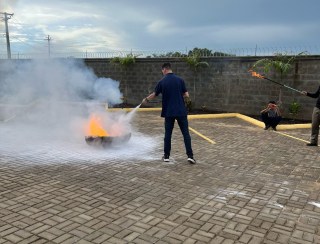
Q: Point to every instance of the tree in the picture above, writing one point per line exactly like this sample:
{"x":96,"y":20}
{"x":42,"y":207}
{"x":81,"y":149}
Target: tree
{"x":195,"y":63}
{"x":280,"y":63}
{"x":201,"y":52}
{"x":221,"y":54}
{"x":169,"y":55}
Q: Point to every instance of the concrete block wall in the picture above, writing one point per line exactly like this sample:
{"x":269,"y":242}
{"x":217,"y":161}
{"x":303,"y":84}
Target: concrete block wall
{"x":226,"y":85}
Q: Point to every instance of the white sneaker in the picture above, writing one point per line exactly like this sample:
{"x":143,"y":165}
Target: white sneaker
{"x":166,"y":158}
{"x":191,"y":160}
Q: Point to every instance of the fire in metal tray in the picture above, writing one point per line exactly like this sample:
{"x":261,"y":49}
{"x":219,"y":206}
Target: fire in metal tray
{"x":106,"y":141}
{"x":98,"y":136}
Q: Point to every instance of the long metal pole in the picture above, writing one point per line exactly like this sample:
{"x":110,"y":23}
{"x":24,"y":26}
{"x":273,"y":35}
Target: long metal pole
{"x":255,"y":74}
{"x":282,"y":84}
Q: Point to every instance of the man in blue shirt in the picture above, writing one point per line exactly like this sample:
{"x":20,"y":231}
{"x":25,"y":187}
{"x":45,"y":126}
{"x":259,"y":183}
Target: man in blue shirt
{"x":173,"y":90}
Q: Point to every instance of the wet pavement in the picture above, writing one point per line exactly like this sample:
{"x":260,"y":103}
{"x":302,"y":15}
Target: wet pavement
{"x":249,"y":186}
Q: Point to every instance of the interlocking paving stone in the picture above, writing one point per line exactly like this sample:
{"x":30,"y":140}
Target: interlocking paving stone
{"x":252,"y":186}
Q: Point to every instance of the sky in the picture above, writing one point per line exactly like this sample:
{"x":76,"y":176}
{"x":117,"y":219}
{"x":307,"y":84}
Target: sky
{"x":159,"y":26}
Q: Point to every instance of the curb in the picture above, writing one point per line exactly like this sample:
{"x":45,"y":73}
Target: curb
{"x":224,"y":115}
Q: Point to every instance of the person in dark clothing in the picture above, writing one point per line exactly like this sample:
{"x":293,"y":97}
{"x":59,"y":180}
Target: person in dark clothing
{"x":271,"y":115}
{"x":315,"y":118}
{"x":173,"y":90}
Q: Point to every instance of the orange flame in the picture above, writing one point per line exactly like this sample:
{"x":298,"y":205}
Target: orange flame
{"x":255,"y":74}
{"x":95,"y":128}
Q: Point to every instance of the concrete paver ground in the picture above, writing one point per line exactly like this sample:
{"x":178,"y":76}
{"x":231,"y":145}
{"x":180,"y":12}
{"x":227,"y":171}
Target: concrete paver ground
{"x":251,"y":186}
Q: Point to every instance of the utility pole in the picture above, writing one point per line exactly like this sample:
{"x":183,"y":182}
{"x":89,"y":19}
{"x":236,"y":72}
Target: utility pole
{"x":48,"y":39}
{"x":6,"y":18}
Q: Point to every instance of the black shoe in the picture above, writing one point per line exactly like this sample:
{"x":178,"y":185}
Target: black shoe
{"x":166,"y":158}
{"x":191,"y":160}
{"x":312,"y":144}
{"x":274,"y":128}
{"x":267,"y":127}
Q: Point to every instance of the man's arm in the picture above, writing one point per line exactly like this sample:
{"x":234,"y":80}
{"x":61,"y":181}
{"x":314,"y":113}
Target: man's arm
{"x":313,"y":95}
{"x":278,"y":111}
{"x":148,"y":98}
{"x":265,"y":110}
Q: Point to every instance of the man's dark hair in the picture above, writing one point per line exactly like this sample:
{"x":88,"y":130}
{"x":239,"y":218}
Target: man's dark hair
{"x":272,"y":102}
{"x":166,"y":66}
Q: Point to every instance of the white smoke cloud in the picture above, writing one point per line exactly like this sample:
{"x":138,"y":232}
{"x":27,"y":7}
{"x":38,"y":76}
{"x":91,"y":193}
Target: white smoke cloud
{"x":46,"y":104}
{"x":50,"y":92}
{"x":105,"y":89}
{"x":55,"y":80}
{"x":58,"y":95}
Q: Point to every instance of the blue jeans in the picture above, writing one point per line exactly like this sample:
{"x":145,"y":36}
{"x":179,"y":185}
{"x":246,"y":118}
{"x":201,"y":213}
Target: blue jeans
{"x":184,"y":127}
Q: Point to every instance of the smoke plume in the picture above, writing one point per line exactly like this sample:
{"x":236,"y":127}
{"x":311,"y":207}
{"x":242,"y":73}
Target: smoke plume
{"x":50,"y":101}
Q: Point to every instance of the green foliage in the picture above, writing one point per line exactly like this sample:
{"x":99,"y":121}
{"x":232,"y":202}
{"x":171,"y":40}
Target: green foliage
{"x":115,"y":60}
{"x":204,"y":52}
{"x":204,"y":108}
{"x":221,"y":54}
{"x":201,"y":52}
{"x":280,"y":63}
{"x":194,"y":61}
{"x":125,"y":61}
{"x":169,"y":55}
{"x":294,"y":108}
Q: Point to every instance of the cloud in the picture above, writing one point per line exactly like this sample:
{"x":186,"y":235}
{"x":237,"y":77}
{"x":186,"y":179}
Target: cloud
{"x":98,"y":26}
{"x":7,"y":5}
{"x":160,"y":27}
{"x":271,"y":34}
{"x":94,"y":37}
